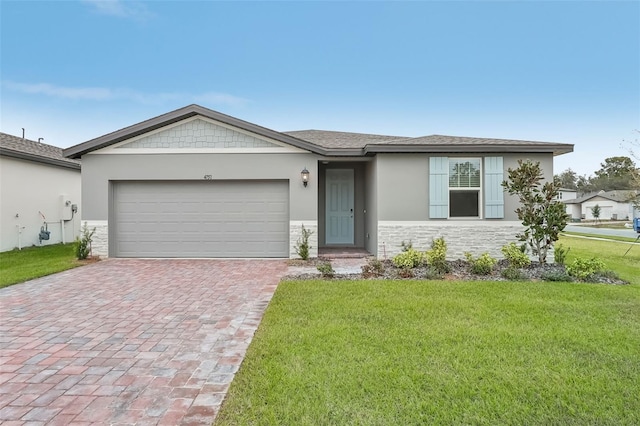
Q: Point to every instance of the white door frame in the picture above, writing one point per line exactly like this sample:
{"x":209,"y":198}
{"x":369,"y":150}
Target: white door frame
{"x":339,"y":206}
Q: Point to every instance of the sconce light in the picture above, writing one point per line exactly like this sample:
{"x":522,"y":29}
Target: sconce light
{"x":305,"y":176}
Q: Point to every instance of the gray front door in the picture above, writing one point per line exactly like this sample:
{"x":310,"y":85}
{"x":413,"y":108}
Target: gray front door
{"x":200,"y":219}
{"x":339,"y":206}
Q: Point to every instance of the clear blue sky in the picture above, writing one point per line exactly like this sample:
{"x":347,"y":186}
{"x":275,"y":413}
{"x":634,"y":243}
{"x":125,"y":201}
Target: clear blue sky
{"x":565,"y":71}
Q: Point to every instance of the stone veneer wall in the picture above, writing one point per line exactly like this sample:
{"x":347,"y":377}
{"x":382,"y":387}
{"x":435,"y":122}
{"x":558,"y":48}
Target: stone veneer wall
{"x":100,"y":239}
{"x":295,"y":233}
{"x":475,"y":236}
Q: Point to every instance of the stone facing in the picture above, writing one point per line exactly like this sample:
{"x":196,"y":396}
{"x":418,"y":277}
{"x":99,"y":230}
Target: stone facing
{"x":475,"y":236}
{"x":100,"y":239}
{"x":199,"y":134}
{"x":295,"y":233}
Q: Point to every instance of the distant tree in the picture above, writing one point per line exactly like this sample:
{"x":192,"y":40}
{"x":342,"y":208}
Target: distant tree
{"x":615,"y":173}
{"x":595,"y":212}
{"x":568,"y":179}
{"x":584,"y":185}
{"x":542,"y":216}
{"x":633,"y":146}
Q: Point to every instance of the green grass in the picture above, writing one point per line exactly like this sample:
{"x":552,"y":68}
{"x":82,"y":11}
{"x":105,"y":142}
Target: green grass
{"x":443,"y":352}
{"x":17,"y":266}
{"x":612,"y":253}
{"x":602,"y":237}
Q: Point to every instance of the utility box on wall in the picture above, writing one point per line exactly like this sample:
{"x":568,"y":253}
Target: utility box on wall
{"x":65,"y":207}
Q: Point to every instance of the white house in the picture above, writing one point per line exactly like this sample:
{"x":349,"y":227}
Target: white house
{"x":39,"y":194}
{"x":614,"y":205}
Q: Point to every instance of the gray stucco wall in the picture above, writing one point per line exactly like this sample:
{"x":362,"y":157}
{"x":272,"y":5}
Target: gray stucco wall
{"x":403,"y":184}
{"x":99,"y":169}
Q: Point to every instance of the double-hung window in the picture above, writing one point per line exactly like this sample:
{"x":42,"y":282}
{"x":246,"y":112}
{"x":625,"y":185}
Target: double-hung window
{"x":464,"y":187}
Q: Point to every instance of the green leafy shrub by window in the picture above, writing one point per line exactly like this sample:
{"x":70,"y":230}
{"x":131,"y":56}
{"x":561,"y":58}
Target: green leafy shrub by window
{"x":483,"y":265}
{"x":302,"y":245}
{"x":437,"y":256}
{"x":83,"y":242}
{"x":326,"y":269}
{"x":560,"y":254}
{"x":373,"y":268}
{"x":515,"y":256}
{"x":408,"y":259}
{"x":582,"y":268}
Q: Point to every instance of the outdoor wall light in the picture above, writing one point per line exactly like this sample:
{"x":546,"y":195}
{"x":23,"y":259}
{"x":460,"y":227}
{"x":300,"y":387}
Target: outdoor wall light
{"x":305,"y":176}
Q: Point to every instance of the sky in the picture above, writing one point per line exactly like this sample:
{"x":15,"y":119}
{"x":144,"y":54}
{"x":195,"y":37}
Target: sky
{"x":557,"y":71}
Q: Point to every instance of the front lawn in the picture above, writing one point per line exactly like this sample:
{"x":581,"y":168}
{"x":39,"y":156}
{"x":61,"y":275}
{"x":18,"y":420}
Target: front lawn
{"x":17,"y":266}
{"x":385,"y":352}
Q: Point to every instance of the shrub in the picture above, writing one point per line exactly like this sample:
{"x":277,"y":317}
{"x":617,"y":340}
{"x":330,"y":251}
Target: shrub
{"x":560,"y":254}
{"x":406,"y":246}
{"x":406,"y":273}
{"x":437,"y":256}
{"x":373,"y":268}
{"x":515,"y":256}
{"x":556,"y":276}
{"x":408,"y":259}
{"x":302,"y":245}
{"x":512,"y":273}
{"x":541,"y":214}
{"x":83,"y":242}
{"x":583,"y":268}
{"x":326,"y":269}
{"x":603,"y":276}
{"x":483,"y":265}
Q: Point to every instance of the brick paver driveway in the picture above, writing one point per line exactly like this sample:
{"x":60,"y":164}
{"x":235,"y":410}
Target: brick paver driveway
{"x":129,"y":341}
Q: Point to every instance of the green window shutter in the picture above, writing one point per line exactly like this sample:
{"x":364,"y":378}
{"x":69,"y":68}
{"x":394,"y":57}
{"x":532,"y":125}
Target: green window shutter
{"x":438,"y":187}
{"x":493,"y":190}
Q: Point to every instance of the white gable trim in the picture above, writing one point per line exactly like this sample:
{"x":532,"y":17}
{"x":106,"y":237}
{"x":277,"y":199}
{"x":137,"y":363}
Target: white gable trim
{"x":279,"y":148}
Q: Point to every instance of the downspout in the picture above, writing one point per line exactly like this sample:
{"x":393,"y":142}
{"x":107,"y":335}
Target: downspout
{"x":62,"y":230}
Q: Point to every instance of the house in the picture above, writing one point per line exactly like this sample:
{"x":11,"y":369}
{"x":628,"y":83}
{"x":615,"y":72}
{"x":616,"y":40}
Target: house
{"x":39,"y":191}
{"x":198,"y":183}
{"x":614,"y":205}
{"x":567,"y":194}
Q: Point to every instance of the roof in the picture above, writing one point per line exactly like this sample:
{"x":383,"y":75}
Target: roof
{"x":329,"y":143}
{"x":618,"y":195}
{"x":26,"y":149}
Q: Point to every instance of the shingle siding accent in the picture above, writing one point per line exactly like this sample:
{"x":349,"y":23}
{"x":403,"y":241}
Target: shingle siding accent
{"x":476,"y":236}
{"x":295,"y":233}
{"x":198,"y":134}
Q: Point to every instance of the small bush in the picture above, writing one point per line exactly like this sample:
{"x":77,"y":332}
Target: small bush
{"x":83,"y":242}
{"x":556,"y":276}
{"x":560,"y":254}
{"x":406,"y":246}
{"x":515,"y":256}
{"x":302,"y":245}
{"x":603,"y":277}
{"x":326,"y":269}
{"x":373,"y":268}
{"x":432,"y":274}
{"x":483,"y":265}
{"x":408,"y":259}
{"x":512,"y":273}
{"x":583,"y":268}
{"x":437,"y":256}
{"x":406,"y":273}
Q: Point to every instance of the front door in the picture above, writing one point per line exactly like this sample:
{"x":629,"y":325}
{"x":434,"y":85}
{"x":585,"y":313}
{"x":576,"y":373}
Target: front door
{"x":339,"y":206}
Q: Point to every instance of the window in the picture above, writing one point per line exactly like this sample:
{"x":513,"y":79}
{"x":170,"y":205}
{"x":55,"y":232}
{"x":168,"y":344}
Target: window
{"x":464,"y":187}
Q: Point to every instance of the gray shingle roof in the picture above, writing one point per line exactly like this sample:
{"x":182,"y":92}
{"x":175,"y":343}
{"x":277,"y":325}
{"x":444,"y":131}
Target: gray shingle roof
{"x":618,"y":195}
{"x":26,"y":149}
{"x":329,"y":143}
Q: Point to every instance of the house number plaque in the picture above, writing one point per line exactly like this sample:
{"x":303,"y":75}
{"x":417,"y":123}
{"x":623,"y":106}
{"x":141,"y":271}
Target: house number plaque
{"x":208,"y":177}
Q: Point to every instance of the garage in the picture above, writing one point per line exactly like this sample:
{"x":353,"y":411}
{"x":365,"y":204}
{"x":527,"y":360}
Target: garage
{"x":200,"y":219}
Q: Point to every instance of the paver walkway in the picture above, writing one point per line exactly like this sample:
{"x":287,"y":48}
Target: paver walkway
{"x":120,"y":341}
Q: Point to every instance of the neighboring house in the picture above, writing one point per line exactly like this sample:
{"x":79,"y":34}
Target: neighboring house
{"x":198,"y":183}
{"x":38,"y":188}
{"x":614,"y":205}
{"x":565,"y":194}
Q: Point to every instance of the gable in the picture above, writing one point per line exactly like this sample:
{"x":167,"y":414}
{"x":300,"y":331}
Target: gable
{"x":198,"y":134}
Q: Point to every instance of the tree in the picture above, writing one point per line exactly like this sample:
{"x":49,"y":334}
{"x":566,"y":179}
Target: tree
{"x":595,"y":212}
{"x":633,"y":147}
{"x":615,"y":173}
{"x":542,"y":216}
{"x":568,"y":179}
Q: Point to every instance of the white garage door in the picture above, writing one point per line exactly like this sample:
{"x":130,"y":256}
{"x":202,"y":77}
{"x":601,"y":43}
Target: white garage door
{"x":201,"y":219}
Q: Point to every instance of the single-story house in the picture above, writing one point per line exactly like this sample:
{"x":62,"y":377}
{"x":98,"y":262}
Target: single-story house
{"x":198,"y":183}
{"x":614,"y":205}
{"x":39,"y":194}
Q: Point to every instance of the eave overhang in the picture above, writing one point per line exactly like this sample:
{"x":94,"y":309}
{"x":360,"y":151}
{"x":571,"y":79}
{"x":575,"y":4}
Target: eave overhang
{"x":38,"y":159}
